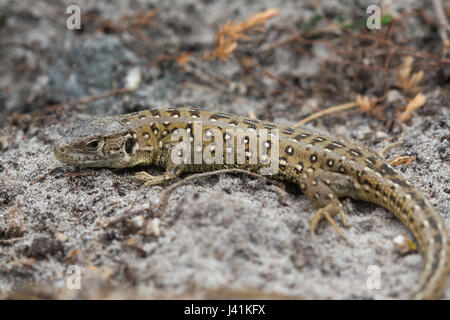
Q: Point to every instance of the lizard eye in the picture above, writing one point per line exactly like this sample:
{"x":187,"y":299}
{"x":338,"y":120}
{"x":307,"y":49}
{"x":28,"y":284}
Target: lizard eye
{"x":129,"y":146}
{"x":93,"y":145}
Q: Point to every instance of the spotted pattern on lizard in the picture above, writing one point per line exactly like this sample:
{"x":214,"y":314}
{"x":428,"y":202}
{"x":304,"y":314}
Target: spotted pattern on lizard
{"x":324,"y":167}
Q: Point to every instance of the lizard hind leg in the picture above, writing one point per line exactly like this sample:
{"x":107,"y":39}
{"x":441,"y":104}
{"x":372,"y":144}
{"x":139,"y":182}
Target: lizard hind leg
{"x":324,"y":188}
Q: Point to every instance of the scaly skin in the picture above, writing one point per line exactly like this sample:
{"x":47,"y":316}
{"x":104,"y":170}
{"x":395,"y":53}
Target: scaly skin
{"x":324,"y":167}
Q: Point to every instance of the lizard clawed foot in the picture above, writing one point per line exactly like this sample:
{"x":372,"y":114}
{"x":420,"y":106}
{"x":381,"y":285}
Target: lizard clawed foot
{"x":328,"y":212}
{"x":150,"y":180}
{"x":171,"y":174}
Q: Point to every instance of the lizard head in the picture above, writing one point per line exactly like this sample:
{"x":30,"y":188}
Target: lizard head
{"x":102,"y":142}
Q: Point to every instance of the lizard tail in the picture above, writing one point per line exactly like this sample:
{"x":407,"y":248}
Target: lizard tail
{"x":431,"y":233}
{"x":391,"y":191}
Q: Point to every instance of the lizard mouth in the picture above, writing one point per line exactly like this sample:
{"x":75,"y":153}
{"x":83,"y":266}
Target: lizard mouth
{"x":82,"y":159}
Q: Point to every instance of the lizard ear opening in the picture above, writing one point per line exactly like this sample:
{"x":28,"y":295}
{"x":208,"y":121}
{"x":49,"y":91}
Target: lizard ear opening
{"x":129,"y":145}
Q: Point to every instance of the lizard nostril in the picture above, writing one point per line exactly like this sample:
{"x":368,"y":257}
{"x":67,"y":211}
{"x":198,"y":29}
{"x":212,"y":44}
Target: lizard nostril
{"x":58,"y":148}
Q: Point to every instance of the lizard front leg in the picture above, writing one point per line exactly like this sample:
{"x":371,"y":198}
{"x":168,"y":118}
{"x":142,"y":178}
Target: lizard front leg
{"x":324,"y":188}
{"x":173,"y":171}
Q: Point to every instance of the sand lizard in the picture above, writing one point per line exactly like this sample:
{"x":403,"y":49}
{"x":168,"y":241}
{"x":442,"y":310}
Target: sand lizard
{"x":325,"y":168}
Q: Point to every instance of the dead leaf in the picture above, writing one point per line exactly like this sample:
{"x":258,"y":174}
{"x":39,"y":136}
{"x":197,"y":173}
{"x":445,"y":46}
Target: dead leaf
{"x":407,"y":81}
{"x":406,"y":160}
{"x":227,"y":35}
{"x":183,"y":58}
{"x":72,"y":255}
{"x":418,"y":101}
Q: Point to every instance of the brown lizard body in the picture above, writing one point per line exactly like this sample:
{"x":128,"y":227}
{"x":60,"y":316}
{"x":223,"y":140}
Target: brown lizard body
{"x":324,"y":167}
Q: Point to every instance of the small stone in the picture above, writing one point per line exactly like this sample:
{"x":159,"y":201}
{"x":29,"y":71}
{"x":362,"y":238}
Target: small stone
{"x":137,"y":222}
{"x":403,"y":244}
{"x":153,"y":228}
{"x":381,"y":135}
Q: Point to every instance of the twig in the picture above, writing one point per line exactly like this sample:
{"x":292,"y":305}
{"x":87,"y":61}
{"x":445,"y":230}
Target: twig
{"x":390,"y":147}
{"x":39,"y":179}
{"x":39,"y":114}
{"x":88,"y":99}
{"x":168,"y":191}
{"x":413,"y":51}
{"x":442,"y":18}
{"x":326,"y":111}
{"x":297,"y":90}
{"x":128,"y":214}
{"x":12,"y":240}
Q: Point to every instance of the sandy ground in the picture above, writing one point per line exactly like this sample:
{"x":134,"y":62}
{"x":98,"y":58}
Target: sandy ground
{"x":223,"y":236}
